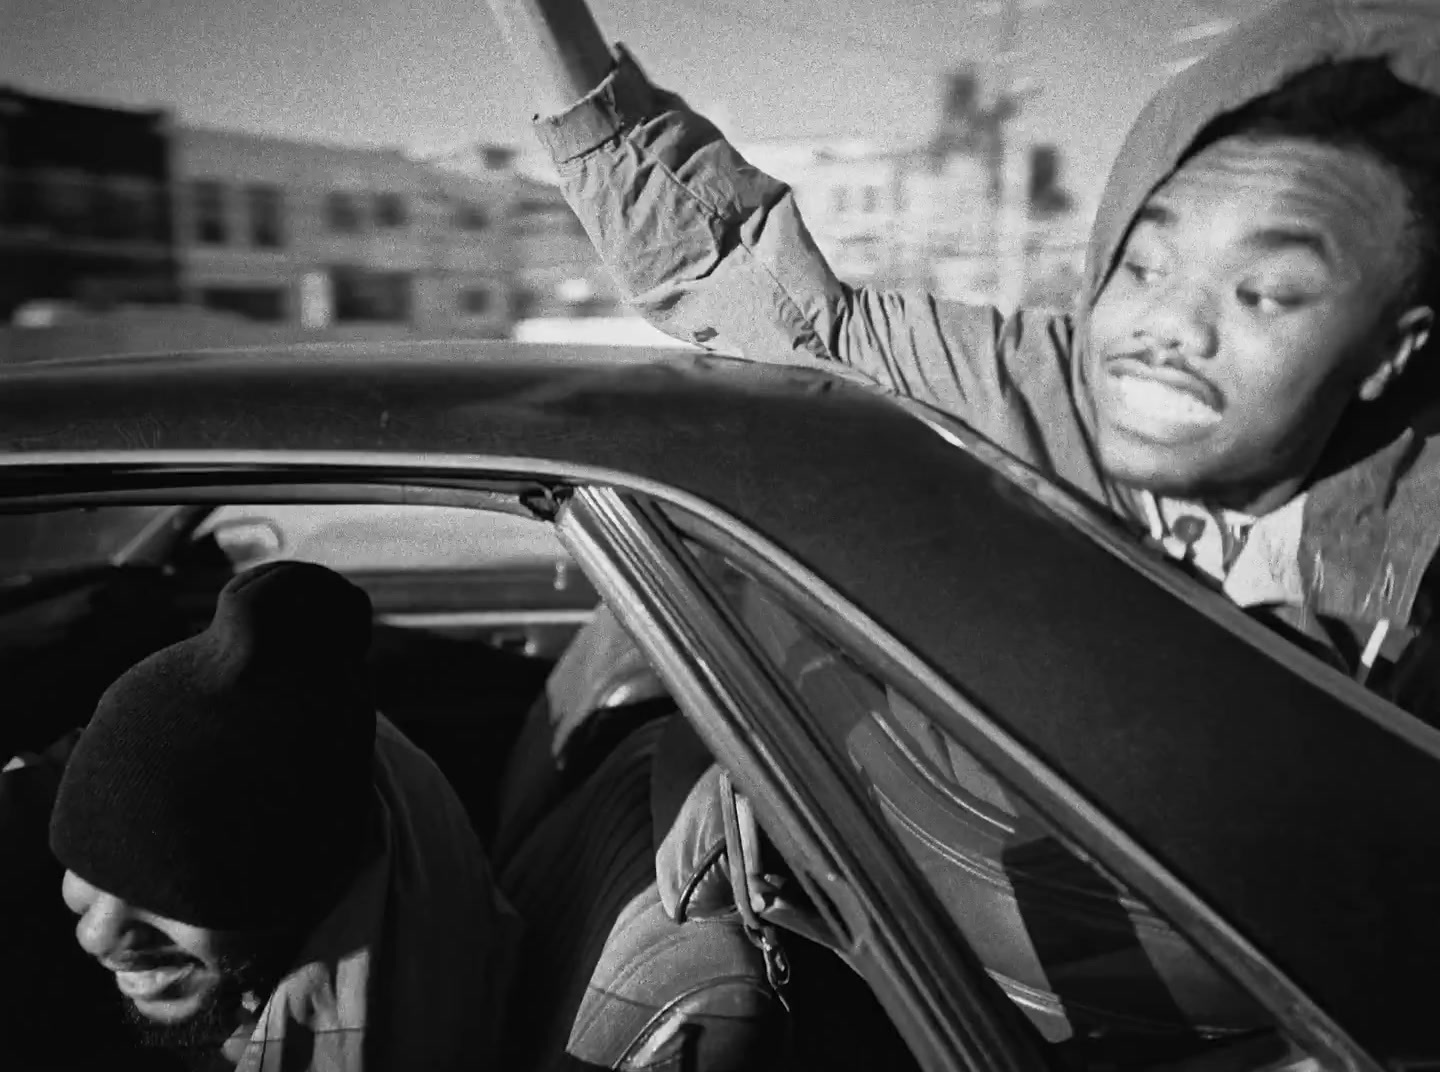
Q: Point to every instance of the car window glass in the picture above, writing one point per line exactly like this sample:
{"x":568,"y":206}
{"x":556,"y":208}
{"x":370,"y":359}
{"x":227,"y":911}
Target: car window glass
{"x":382,"y":537}
{"x":1095,"y":969}
{"x":34,"y":544}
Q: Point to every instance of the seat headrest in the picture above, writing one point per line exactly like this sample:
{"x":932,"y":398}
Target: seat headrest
{"x":601,"y":667}
{"x":685,"y":802}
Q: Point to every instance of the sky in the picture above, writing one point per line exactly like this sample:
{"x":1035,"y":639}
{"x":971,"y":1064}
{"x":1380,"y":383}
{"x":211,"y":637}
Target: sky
{"x":431,"y":74}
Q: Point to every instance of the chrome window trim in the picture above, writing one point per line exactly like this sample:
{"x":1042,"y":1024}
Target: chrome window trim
{"x":1213,"y":605}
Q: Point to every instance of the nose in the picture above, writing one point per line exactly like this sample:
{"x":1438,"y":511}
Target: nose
{"x":1181,"y":320}
{"x":104,"y":918}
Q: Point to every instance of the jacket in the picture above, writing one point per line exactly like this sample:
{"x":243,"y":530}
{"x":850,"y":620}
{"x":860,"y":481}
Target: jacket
{"x":714,"y":252}
{"x":411,"y":968}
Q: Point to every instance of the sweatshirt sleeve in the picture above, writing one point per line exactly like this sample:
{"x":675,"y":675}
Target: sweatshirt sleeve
{"x":713,"y":252}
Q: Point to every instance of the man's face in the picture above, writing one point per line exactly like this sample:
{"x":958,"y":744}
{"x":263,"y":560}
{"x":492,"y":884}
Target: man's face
{"x":1254,"y":297}
{"x":187,"y":986}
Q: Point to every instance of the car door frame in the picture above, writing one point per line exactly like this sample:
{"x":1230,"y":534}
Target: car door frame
{"x":898,"y":934}
{"x":909,"y":949}
{"x":632,"y":527}
{"x":920,"y":968}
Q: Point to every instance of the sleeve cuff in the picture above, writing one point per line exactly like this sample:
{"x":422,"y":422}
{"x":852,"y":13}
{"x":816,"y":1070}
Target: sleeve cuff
{"x":623,"y":99}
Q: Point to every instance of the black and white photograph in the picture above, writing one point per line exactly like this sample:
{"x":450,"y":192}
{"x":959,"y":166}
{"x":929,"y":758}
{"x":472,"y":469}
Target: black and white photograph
{"x":720,"y":536}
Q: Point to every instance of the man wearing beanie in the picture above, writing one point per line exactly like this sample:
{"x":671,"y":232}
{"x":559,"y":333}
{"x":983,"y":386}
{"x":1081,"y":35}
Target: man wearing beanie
{"x":275,"y":876}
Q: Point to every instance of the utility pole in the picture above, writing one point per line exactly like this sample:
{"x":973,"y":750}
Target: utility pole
{"x":1011,"y":163}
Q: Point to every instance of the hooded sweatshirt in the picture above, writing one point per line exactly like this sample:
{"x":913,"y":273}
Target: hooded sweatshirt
{"x":714,"y":252}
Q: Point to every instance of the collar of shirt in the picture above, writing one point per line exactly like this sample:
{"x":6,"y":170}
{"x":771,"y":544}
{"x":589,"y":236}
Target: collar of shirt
{"x":1207,"y":538}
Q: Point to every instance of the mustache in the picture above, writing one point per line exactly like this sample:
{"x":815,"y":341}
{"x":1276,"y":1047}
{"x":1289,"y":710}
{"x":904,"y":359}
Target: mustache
{"x":1150,"y":358}
{"x":1153,"y":358}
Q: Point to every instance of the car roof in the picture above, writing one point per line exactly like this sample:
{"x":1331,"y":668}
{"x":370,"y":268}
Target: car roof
{"x":1312,"y":825}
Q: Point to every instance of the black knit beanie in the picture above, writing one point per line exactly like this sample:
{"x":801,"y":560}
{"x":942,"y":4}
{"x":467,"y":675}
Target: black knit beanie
{"x":227,"y":781}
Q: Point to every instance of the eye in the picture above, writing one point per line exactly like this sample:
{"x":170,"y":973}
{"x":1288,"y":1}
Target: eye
{"x":1141,"y":273}
{"x":1269,"y":303}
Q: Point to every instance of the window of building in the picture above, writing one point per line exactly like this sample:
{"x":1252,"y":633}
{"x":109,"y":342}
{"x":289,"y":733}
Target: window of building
{"x":157,"y":212}
{"x":871,"y":202}
{"x":15,"y":199}
{"x":839,"y":200}
{"x":125,"y":210}
{"x":66,"y":200}
{"x":108,"y":211}
{"x":470,"y":217}
{"x":475,"y":301}
{"x":534,"y":216}
{"x":266,"y":206}
{"x":255,"y":303}
{"x":364,"y":294}
{"x":208,"y":202}
{"x":533,"y":207}
{"x":342,"y":212}
{"x":389,"y":210}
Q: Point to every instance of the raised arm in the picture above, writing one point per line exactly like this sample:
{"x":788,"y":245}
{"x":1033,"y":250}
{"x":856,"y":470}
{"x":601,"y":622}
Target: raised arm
{"x":712,"y":250}
{"x":558,"y":44}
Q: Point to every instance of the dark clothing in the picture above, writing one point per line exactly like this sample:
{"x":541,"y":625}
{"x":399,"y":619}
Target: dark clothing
{"x":59,"y":1009}
{"x":412,"y":963}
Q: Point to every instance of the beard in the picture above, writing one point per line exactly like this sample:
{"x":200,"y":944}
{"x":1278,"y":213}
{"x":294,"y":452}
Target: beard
{"x":197,"y":1040}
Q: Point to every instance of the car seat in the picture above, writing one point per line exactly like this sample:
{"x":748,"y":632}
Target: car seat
{"x":601,"y":687}
{"x":714,"y":863}
{"x":611,"y":848}
{"x":608,"y":978}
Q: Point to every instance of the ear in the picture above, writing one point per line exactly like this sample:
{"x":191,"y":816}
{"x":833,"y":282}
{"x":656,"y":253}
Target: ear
{"x":1410,"y":334}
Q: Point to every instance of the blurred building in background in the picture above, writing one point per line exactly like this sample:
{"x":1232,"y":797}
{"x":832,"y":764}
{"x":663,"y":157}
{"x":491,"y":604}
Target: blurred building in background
{"x":85,"y":204}
{"x":934,"y":216}
{"x":249,"y":239}
{"x":557,"y":273}
{"x":319,"y":236}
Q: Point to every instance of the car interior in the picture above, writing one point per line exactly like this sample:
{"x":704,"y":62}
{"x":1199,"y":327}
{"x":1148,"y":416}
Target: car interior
{"x":632,"y":857}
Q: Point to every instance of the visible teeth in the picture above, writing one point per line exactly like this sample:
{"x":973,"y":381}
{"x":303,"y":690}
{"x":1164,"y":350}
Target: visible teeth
{"x":1162,"y":400}
{"x":144,"y":984}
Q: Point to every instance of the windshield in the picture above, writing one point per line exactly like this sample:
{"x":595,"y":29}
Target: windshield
{"x":35,"y":544}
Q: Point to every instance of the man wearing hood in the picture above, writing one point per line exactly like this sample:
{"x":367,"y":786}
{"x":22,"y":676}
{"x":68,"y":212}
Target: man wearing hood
{"x":1245,"y":377}
{"x":275,"y":877}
